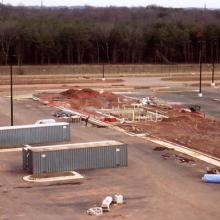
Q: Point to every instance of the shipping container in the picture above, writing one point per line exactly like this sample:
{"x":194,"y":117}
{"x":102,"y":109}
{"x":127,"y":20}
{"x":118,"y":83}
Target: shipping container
{"x":34,"y":134}
{"x":80,"y":156}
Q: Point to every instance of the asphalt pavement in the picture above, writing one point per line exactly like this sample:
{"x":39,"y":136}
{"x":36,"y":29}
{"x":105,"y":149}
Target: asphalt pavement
{"x":210,"y":102}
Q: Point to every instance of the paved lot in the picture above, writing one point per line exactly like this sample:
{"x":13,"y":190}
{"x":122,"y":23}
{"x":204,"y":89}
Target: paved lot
{"x":210,"y":102}
{"x":154,"y":188}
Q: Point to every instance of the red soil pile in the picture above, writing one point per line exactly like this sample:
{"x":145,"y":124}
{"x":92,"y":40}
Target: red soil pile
{"x":80,"y":99}
{"x":88,"y":97}
{"x":86,"y":94}
{"x":188,"y":129}
{"x":80,"y":94}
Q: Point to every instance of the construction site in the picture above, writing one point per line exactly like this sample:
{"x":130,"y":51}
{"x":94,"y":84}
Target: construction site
{"x":149,"y":116}
{"x":115,"y":147}
{"x":109,"y":110}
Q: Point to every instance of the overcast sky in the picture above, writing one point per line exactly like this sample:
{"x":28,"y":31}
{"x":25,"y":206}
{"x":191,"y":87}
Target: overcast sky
{"x":166,"y":3}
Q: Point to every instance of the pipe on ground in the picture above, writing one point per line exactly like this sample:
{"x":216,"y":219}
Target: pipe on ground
{"x":211,"y":178}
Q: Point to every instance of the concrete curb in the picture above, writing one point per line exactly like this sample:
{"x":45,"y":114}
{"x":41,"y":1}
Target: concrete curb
{"x":179,"y":148}
{"x":185,"y":150}
{"x":76,"y":177}
{"x":10,"y":150}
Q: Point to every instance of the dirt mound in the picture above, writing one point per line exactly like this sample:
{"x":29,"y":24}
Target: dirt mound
{"x":109,"y":94}
{"x":88,"y":94}
{"x":81,"y":99}
{"x":80,"y":94}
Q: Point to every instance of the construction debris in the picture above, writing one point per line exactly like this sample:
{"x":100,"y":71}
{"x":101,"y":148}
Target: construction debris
{"x":118,"y":199}
{"x":68,"y":115}
{"x":106,"y":204}
{"x":160,"y":148}
{"x":212,"y":170}
{"x":166,"y":156}
{"x":183,"y":159}
{"x":185,"y":110}
{"x":96,"y":211}
{"x":195,"y":108}
{"x":105,"y":207}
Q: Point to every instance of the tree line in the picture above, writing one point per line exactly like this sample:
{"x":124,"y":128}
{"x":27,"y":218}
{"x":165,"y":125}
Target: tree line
{"x":108,"y":35}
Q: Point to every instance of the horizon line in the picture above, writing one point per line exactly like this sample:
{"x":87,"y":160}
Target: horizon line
{"x":107,"y":6}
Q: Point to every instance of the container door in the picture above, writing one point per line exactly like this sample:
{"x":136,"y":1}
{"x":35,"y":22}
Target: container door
{"x":43,"y":163}
{"x":25,"y":159}
{"x":118,"y":156}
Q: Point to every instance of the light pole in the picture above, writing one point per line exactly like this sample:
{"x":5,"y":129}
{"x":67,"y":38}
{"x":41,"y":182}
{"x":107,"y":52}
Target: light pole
{"x":213,"y":65}
{"x":213,"y":73}
{"x":200,"y":69}
{"x":11,"y":82}
{"x":103,"y":72}
{"x":11,"y":88}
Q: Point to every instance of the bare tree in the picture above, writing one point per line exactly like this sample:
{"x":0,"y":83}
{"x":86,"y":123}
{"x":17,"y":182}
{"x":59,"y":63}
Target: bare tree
{"x":7,"y":37}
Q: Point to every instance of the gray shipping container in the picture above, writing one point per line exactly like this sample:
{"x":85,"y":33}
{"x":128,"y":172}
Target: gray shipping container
{"x":69,"y":157}
{"x":34,"y":134}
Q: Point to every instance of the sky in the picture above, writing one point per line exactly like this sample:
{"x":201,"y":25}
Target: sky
{"x":129,"y":3}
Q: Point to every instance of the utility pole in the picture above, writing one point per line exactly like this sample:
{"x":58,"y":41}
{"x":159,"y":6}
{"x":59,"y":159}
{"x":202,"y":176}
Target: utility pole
{"x":200,"y":69}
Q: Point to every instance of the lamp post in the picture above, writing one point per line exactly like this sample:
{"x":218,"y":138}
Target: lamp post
{"x":213,"y":73}
{"x":11,"y":88}
{"x":200,"y":69}
{"x":213,"y":64}
{"x":103,"y":72}
{"x":11,"y":82}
